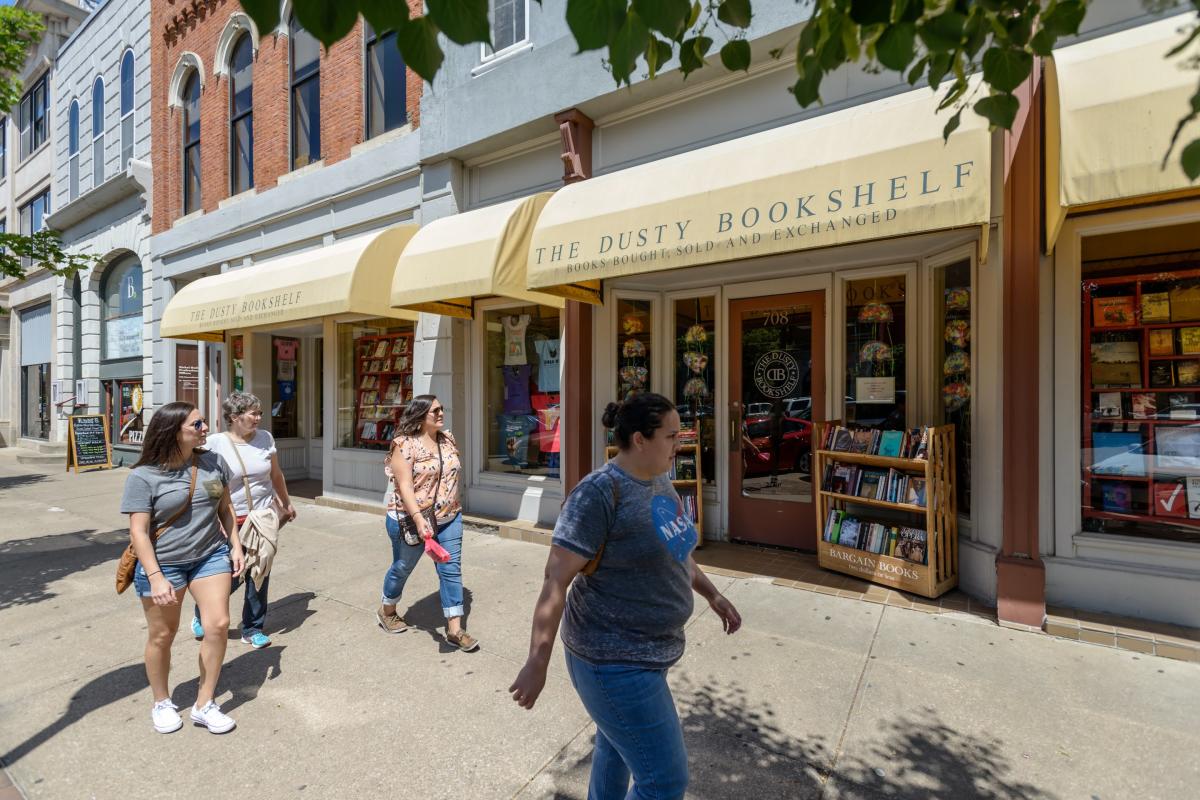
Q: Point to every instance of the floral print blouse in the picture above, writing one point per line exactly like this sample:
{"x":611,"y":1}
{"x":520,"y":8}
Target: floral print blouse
{"x":424,"y":462}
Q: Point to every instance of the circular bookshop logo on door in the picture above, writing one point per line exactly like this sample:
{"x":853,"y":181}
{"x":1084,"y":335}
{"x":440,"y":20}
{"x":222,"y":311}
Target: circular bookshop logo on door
{"x":776,"y":374}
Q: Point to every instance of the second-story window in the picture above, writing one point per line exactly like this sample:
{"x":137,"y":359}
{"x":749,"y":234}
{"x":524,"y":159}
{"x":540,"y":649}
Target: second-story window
{"x":508,"y":24}
{"x":126,"y":108}
{"x":241,"y":116}
{"x":385,"y":84}
{"x":191,"y":143}
{"x":73,"y":147}
{"x":33,"y":218}
{"x":98,"y":132}
{"x":34,"y":119}
{"x":3,"y":146}
{"x":306,"y":95}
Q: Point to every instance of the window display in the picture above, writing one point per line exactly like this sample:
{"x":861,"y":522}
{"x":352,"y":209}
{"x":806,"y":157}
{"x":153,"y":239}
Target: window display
{"x":375,"y":381}
{"x":875,"y":352}
{"x":522,"y":375}
{"x":695,"y":376}
{"x":952,"y":285}
{"x":1141,"y":394}
{"x":285,"y":405}
{"x":127,"y":412}
{"x":634,"y":326}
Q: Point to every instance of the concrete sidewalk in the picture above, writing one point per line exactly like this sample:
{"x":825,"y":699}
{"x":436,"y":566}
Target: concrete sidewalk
{"x":818,"y":696}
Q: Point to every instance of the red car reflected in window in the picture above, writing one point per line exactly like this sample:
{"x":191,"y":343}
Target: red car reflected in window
{"x":790,"y":450}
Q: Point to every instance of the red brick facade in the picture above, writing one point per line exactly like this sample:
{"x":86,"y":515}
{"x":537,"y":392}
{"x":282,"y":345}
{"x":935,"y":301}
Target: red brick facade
{"x":195,"y":26}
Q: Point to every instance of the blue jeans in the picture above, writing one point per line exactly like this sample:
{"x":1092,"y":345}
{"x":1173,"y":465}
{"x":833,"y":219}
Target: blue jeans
{"x":637,"y":731}
{"x":254,"y":607}
{"x":405,"y":558}
{"x":181,"y":575}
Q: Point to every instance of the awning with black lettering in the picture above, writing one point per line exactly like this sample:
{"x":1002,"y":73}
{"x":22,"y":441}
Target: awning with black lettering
{"x":454,"y":261}
{"x":876,"y":170}
{"x":347,"y":277}
{"x":1112,"y":104}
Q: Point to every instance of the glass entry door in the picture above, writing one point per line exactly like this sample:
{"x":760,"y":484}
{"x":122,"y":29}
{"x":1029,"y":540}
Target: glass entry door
{"x":776,"y":391}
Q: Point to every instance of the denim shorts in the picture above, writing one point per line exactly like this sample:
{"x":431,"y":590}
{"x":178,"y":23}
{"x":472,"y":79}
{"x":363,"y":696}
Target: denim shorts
{"x":180,"y":575}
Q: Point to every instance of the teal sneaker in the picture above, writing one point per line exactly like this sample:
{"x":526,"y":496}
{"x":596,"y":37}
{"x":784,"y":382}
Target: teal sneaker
{"x":197,"y":628}
{"x":256,"y":639}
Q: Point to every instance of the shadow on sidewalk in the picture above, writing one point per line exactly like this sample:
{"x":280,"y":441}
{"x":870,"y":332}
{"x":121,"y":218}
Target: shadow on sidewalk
{"x":243,"y":676}
{"x":19,"y":481}
{"x":736,"y":750}
{"x":426,"y":615}
{"x":29,"y":566}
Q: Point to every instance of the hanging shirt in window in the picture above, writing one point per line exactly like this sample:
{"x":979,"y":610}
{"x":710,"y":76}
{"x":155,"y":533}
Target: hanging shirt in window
{"x":286,"y":349}
{"x":514,"y":340}
{"x":548,"y":414}
{"x":516,"y":390}
{"x":548,"y":358}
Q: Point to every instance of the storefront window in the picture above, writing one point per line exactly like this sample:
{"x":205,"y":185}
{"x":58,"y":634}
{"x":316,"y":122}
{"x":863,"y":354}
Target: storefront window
{"x":319,"y":388}
{"x":123,"y":310}
{"x":35,"y":401}
{"x":522,"y":370}
{"x":952,"y":285}
{"x":238,"y":363}
{"x":634,"y":326}
{"x":1141,"y":398}
{"x":875,"y":352}
{"x":285,"y":405}
{"x":375,"y":380}
{"x":695,"y":375}
{"x":127,"y":412}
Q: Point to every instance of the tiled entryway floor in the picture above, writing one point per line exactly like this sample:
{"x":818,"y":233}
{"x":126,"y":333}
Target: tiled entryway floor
{"x":800,"y":571}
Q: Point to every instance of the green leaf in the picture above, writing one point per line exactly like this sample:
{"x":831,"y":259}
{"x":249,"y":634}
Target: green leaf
{"x":952,"y":125}
{"x":1064,"y":18}
{"x":975,"y":32}
{"x":1042,"y":43}
{"x":265,"y":14}
{"x":808,"y":38}
{"x":668,"y":17}
{"x":999,"y":109}
{"x":463,"y":21}
{"x":593,"y":23}
{"x":939,"y":65}
{"x":695,"y":15}
{"x":735,"y":12}
{"x":894,"y":48}
{"x":1190,"y":160}
{"x":1005,"y":69}
{"x":943,"y":32}
{"x":832,"y":51}
{"x":808,"y":88}
{"x":871,"y":12}
{"x":735,"y":55}
{"x":657,"y":53}
{"x":692,"y":52}
{"x":327,"y":21}
{"x":918,"y":68}
{"x":417,"y":41}
{"x":626,"y":46}
{"x":384,"y":15}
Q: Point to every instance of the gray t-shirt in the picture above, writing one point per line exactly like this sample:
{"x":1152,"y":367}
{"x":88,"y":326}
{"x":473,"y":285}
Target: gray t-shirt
{"x":632,"y":609}
{"x":161,"y":492}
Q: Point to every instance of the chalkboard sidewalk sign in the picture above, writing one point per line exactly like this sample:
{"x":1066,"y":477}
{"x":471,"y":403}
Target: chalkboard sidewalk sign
{"x":87,"y":444}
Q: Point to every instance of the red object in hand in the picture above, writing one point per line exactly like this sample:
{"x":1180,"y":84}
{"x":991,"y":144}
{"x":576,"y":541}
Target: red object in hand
{"x":436,"y":551}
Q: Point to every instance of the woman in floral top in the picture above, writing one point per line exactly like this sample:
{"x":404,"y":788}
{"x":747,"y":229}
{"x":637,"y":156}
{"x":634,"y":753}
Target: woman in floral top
{"x":423,"y":468}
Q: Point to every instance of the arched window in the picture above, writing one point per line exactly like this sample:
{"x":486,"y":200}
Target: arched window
{"x":241,"y":116}
{"x":98,"y":132}
{"x":73,"y":146}
{"x":385,"y":83}
{"x":191,"y":143}
{"x":305,"y":57}
{"x":122,"y":311}
{"x":126,"y":108}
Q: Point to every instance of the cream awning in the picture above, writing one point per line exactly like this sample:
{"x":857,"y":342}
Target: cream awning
{"x":453,"y":261}
{"x":348,"y":277}
{"x":876,"y":170}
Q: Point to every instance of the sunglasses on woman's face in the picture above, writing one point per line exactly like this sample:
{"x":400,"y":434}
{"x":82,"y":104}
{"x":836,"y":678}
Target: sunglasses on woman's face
{"x":437,"y":412}
{"x":198,"y":425}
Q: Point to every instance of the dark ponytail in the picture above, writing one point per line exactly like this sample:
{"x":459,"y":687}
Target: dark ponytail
{"x":643,"y":413}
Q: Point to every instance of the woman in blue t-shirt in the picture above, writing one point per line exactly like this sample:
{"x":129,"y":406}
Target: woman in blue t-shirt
{"x":620,"y":576}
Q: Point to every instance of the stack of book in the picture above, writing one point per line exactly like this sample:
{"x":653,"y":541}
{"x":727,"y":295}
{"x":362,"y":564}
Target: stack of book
{"x":898,"y":541}
{"x":683,"y":468}
{"x":689,"y":505}
{"x":891,"y":485}
{"x":875,"y":442}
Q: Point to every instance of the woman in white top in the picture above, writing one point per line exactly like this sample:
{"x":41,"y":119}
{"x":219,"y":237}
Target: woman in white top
{"x":256,"y":448}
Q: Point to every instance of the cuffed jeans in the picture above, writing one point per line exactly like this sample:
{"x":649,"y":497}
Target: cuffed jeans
{"x":254,"y":607}
{"x":405,"y":558}
{"x":637,"y":731}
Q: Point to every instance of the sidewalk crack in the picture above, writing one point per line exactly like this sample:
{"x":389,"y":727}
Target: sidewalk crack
{"x":854,"y":702}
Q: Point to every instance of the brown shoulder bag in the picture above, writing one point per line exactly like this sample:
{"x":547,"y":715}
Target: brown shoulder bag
{"x":594,"y":562}
{"x":129,"y":560}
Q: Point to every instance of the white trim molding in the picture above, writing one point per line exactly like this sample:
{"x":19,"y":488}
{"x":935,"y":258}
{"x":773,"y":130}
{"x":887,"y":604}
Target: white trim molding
{"x":187,"y":62}
{"x":237,"y":23}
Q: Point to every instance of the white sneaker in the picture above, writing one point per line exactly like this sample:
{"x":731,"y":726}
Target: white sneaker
{"x":211,"y":717}
{"x":165,"y":716}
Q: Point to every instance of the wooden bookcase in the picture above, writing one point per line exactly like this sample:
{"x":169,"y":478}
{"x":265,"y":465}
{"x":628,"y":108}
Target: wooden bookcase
{"x":380,"y":370}
{"x":1159,"y":400}
{"x":939,"y":573}
{"x":684,"y":487}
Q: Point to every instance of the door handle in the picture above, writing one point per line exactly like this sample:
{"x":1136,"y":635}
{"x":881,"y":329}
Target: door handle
{"x":735,"y":418}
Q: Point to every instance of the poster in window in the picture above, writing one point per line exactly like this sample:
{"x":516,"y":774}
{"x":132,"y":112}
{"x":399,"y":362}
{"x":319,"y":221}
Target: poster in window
{"x":123,"y":337}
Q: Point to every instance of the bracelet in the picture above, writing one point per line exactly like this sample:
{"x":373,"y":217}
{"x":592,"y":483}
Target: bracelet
{"x":152,"y":574}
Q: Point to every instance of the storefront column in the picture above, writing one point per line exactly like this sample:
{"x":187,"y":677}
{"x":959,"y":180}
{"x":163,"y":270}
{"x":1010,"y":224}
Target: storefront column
{"x":1020,"y":573}
{"x":577,"y":377}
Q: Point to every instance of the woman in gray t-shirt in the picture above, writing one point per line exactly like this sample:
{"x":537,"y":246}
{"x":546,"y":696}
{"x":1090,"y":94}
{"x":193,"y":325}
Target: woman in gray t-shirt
{"x":622,"y":624}
{"x":177,"y":482}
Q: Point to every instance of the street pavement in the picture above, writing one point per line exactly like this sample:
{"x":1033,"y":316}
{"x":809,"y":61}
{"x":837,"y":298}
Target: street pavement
{"x":817,"y":696}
